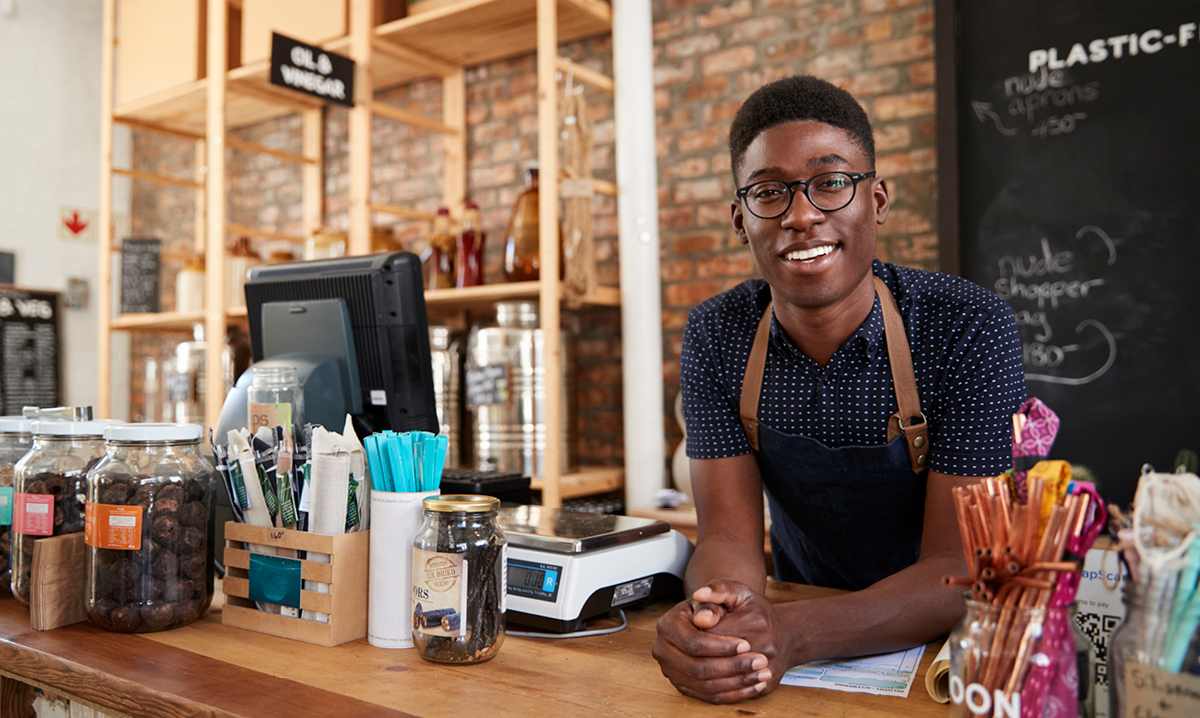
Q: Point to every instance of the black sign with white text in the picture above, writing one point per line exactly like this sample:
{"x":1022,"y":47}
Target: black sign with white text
{"x":30,"y":350}
{"x":311,"y":70}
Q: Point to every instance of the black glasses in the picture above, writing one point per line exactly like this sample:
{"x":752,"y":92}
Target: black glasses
{"x":828,"y":192}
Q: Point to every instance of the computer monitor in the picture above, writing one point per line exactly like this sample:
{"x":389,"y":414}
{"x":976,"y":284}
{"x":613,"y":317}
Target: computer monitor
{"x":387,"y":374}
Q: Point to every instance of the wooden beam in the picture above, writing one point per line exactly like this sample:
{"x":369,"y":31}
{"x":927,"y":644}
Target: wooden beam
{"x":264,"y":150}
{"x":104,"y":293}
{"x":583,"y":74}
{"x":412,"y":118}
{"x":399,"y":211}
{"x":201,"y":207}
{"x":160,"y":129}
{"x":215,"y":290}
{"x":291,"y":100}
{"x":160,"y":179}
{"x":313,"y":176}
{"x":548,"y":295}
{"x":436,"y":65}
{"x":604,"y":187}
{"x":359,"y":132}
{"x":454,"y":114}
{"x":256,"y":232}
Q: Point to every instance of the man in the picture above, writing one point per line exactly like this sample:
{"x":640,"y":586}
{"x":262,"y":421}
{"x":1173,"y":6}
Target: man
{"x":792,"y":384}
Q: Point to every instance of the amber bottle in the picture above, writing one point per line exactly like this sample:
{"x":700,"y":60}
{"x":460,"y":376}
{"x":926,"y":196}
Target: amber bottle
{"x":522,"y":260}
{"x":441,"y":259}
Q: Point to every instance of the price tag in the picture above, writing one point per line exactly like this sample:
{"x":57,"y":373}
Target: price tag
{"x":1156,"y":693}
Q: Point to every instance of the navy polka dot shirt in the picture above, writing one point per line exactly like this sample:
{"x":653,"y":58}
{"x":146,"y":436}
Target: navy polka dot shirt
{"x":966,"y":355}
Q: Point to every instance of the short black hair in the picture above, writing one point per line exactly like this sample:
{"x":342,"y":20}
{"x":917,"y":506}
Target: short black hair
{"x":798,"y":98}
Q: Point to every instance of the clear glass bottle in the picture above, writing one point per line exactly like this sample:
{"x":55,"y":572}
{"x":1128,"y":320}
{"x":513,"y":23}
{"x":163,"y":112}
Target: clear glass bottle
{"x":275,"y":397}
{"x":459,"y":587}
{"x":149,"y":543}
{"x":441,"y":246}
{"x":50,"y":484}
{"x":189,"y":285}
{"x":1031,"y":660}
{"x":1142,"y":636}
{"x":469,"y":248}
{"x":16,"y":439}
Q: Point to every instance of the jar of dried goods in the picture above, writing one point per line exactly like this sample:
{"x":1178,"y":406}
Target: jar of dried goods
{"x":16,"y":439}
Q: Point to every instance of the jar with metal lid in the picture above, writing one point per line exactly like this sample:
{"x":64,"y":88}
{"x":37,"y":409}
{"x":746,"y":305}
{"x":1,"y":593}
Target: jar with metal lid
{"x":50,"y":483}
{"x":149,"y":544}
{"x":459,"y":582}
{"x":16,"y":439}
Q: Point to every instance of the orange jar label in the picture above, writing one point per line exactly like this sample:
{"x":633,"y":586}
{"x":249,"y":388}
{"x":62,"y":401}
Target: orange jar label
{"x":108,"y":526}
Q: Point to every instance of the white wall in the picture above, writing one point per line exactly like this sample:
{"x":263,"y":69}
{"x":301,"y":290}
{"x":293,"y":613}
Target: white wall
{"x":50,"y":158}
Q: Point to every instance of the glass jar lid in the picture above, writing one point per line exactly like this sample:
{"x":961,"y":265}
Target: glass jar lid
{"x":461,"y":503}
{"x":15,"y":425}
{"x":154,"y":432}
{"x":72,"y":428}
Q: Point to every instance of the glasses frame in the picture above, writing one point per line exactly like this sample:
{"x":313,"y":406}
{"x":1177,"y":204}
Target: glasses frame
{"x":855,"y":177}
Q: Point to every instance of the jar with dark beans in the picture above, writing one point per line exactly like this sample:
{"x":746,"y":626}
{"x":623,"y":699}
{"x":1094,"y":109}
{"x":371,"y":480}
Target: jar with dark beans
{"x":150,"y":549}
{"x":50,"y":482}
{"x":16,"y":439}
{"x":458,"y":563}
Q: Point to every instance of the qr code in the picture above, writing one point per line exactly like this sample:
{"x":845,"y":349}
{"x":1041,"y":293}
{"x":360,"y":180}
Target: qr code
{"x":1098,"y":627}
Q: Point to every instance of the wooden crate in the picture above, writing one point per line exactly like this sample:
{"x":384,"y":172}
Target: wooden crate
{"x":346,"y":574}
{"x":162,"y":45}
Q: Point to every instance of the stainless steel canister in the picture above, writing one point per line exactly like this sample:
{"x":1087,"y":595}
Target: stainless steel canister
{"x":446,"y":350}
{"x":511,"y":435}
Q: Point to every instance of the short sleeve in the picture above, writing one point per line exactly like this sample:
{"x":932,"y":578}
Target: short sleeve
{"x":710,"y":408}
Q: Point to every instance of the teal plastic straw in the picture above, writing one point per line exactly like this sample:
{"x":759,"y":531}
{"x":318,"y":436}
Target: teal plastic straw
{"x":371,"y":444}
{"x":443,"y":444}
{"x":405,"y":451}
{"x":428,"y":461}
{"x":1185,"y":611}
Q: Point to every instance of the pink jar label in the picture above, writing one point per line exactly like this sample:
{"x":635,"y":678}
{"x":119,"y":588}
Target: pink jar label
{"x":34,"y":514}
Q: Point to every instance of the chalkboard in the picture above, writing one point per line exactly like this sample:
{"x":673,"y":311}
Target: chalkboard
{"x":487,"y":384}
{"x":1078,"y":177}
{"x":140,"y":268}
{"x":30,"y":348}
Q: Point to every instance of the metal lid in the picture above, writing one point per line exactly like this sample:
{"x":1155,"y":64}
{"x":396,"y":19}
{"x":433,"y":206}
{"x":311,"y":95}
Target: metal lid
{"x":71,"y":428}
{"x":154,"y":432}
{"x":461,"y":503}
{"x":15,"y":425}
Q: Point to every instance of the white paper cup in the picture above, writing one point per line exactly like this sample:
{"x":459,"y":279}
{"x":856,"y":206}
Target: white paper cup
{"x":395,"y":520}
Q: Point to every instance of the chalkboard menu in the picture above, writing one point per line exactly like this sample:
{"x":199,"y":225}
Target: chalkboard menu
{"x":487,"y":384}
{"x":29,"y":350}
{"x":140,"y":268}
{"x":1079,"y":203}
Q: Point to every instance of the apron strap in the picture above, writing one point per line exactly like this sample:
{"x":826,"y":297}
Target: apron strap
{"x":914,"y":429}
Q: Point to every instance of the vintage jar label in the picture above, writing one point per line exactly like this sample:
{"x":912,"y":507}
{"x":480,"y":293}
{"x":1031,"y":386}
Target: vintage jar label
{"x":269,"y":415}
{"x":108,"y":526}
{"x":33,"y":514}
{"x":439,"y":593}
{"x":6,"y":505}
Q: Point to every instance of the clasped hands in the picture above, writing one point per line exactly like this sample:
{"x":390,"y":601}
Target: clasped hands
{"x":724,"y":644}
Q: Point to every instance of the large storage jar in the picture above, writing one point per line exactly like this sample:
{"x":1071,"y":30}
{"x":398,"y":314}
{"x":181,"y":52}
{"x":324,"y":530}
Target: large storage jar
{"x":16,"y":439}
{"x":446,"y":351}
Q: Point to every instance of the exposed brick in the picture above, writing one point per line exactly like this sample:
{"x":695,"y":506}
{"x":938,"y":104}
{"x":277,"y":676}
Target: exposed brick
{"x":674,"y":24}
{"x":705,"y":242}
{"x":843,"y":36}
{"x":703,"y":139}
{"x":731,"y":60}
{"x":712,"y":214}
{"x":721,"y":163}
{"x":904,"y":221}
{"x":866,"y":84}
{"x":922,"y":74}
{"x":899,"y":107}
{"x":698,"y":190}
{"x":906,"y":49}
{"x":675,"y":269}
{"x":725,"y":265}
{"x":667,"y":73}
{"x":879,"y":28}
{"x":724,"y":14}
{"x":721,"y":111}
{"x":756,"y":28}
{"x":895,"y":136}
{"x":903,"y":163}
{"x":678,"y":118}
{"x":835,"y":62}
{"x":795,"y":47}
{"x":873,"y":6}
{"x":708,"y":88}
{"x":674,"y":319}
{"x":693,"y":45}
{"x":690,"y":167}
{"x":675,"y":217}
{"x":662,"y":98}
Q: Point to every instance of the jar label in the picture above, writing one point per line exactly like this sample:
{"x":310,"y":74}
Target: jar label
{"x":33,"y":514}
{"x":439,"y":592}
{"x":269,"y":415}
{"x":6,"y":505}
{"x":109,"y":526}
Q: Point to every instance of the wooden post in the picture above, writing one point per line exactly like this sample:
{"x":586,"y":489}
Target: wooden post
{"x":105,"y":233}
{"x":547,"y":59}
{"x":201,"y":210}
{"x":16,"y":698}
{"x":360,"y":127}
{"x":454,"y":114}
{"x":214,"y":273}
{"x":313,"y":175}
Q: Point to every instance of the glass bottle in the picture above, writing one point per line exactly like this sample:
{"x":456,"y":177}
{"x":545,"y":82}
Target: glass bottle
{"x":189,"y":285}
{"x":441,"y":245}
{"x":275,"y":398}
{"x":383,"y":239}
{"x":459,"y":589}
{"x":16,"y":439}
{"x":240,"y":259}
{"x":325,"y":243}
{"x":1142,"y":636}
{"x":184,"y":382}
{"x":149,"y":544}
{"x":469,"y":248}
{"x":50,"y":490}
{"x":522,"y":258}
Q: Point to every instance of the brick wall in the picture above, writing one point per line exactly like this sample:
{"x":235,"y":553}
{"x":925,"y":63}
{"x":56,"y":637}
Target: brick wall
{"x":708,"y":57}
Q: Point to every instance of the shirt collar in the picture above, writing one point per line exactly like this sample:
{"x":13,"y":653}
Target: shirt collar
{"x":867,"y":339}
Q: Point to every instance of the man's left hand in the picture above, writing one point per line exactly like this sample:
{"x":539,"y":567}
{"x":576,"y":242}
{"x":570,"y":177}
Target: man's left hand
{"x":749,"y":615}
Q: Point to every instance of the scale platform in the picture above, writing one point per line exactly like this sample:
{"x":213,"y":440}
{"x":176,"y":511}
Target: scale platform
{"x":566,"y":567}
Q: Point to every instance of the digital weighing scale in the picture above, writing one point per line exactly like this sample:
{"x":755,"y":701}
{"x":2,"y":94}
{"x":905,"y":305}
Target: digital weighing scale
{"x":565,"y":567}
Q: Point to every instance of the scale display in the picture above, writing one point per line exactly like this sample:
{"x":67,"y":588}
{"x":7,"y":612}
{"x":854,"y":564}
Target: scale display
{"x":538,"y":581}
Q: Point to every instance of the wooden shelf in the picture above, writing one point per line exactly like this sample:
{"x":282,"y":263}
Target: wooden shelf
{"x":477,"y":31}
{"x":488,"y":294}
{"x":586,"y":481}
{"x":167,"y":321}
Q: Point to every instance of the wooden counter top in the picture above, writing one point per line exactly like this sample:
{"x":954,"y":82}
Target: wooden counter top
{"x":207,"y":669}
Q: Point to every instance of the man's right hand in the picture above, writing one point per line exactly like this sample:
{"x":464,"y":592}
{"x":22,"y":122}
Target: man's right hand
{"x":717,"y":669}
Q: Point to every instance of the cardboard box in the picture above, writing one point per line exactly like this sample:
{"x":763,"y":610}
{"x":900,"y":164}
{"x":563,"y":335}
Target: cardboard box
{"x":345,"y":574}
{"x":161,"y":44}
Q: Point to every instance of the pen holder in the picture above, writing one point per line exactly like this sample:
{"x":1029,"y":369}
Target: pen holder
{"x":253,"y":577}
{"x":395,"y":519}
{"x":1019,"y":662}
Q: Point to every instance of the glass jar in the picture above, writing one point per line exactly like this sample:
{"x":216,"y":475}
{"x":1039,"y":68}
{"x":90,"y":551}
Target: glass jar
{"x":459,"y":587}
{"x":149,"y":544}
{"x":275,"y":397}
{"x":522,"y":246}
{"x":50,"y":483}
{"x":1142,"y":637}
{"x":1020,"y":661}
{"x":240,"y":259}
{"x":325,"y":243}
{"x":16,"y":439}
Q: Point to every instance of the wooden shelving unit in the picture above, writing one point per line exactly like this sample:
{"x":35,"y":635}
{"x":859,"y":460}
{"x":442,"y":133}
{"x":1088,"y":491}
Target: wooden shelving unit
{"x":437,"y":43}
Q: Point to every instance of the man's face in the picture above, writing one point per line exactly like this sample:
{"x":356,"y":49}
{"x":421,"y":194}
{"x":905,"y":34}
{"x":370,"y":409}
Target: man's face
{"x":811,"y":258}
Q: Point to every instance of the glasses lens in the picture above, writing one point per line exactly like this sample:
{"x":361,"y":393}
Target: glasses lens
{"x":769,"y":199}
{"x":830,"y":191}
